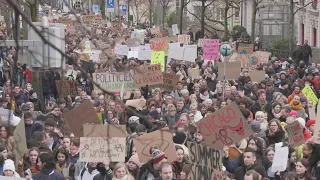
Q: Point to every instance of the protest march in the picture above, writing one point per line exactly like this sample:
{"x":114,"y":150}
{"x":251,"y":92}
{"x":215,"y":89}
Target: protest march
{"x":141,"y":102}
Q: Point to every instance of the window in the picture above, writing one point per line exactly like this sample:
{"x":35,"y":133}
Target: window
{"x":220,"y":14}
{"x":237,"y":14}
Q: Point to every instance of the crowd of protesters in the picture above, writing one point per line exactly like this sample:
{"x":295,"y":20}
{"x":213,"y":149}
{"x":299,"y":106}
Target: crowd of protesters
{"x":269,"y":105}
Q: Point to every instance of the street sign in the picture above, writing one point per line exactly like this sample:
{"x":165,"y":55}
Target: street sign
{"x":95,"y":8}
{"x":124,"y":8}
{"x":110,"y":5}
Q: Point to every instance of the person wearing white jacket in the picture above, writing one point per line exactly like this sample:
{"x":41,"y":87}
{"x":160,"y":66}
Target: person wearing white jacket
{"x":9,"y":169}
{"x":88,"y":171}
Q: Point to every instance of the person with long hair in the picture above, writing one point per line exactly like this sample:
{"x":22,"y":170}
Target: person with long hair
{"x":134,"y":165}
{"x":29,"y":163}
{"x":303,"y":169}
{"x":120,"y":172}
{"x":47,"y":167}
{"x":275,"y":133}
{"x":62,"y":159}
{"x":269,"y":155}
{"x":6,"y":137}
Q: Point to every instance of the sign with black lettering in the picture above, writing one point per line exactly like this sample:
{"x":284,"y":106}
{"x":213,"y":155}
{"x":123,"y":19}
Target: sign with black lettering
{"x":113,"y":82}
{"x":97,"y":149}
{"x":147,"y":75}
{"x":65,"y":88}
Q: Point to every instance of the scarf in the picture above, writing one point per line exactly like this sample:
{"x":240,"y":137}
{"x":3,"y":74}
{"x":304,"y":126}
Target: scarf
{"x":276,"y":115}
{"x":263,"y":105}
{"x":203,"y":97}
{"x":295,"y":107}
{"x":124,"y":178}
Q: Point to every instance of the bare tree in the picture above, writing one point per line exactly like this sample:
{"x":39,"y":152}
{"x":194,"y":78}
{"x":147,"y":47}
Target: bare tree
{"x":139,"y":9}
{"x":164,"y":4}
{"x":33,"y":5}
{"x":256,"y":6}
{"x":229,"y":4}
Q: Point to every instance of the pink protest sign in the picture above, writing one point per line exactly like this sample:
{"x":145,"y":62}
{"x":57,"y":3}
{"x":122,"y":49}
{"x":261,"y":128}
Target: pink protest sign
{"x":211,"y":49}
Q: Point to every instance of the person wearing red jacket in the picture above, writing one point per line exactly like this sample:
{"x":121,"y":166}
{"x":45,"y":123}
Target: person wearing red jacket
{"x":28,"y":74}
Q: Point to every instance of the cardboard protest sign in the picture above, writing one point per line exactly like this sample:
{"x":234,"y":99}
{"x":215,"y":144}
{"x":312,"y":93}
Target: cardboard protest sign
{"x":184,"y":39}
{"x":20,"y":140}
{"x":194,"y":73}
{"x":224,"y":127}
{"x":80,"y":115}
{"x":121,"y":49}
{"x":295,"y":134}
{"x":65,"y":88}
{"x":96,"y":149}
{"x":157,"y":57}
{"x":211,"y":49}
{"x":257,"y":76}
{"x":280,"y":159}
{"x":136,"y":103}
{"x":161,"y":44}
{"x":245,"y":48}
{"x":159,"y":139}
{"x":147,"y":75}
{"x":309,"y":93}
{"x":232,"y":70}
{"x":113,"y":81}
{"x":155,"y":30}
{"x":104,"y":130}
{"x":316,"y":133}
{"x":169,"y":82}
{"x":259,"y":57}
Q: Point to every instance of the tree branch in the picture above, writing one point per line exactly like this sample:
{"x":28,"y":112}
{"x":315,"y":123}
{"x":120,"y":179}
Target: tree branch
{"x":302,"y":7}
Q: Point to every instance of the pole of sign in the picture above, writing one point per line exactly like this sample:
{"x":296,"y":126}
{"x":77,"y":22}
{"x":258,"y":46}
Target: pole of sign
{"x":224,"y":74}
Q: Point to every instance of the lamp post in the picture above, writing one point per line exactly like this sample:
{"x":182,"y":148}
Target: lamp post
{"x":45,"y":29}
{"x":225,"y":50}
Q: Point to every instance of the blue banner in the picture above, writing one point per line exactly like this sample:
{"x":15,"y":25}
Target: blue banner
{"x":110,"y":4}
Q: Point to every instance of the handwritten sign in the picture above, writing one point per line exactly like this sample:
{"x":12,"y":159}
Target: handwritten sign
{"x":65,"y":88}
{"x":308,"y":92}
{"x":232,"y":70}
{"x":224,"y":127}
{"x":184,"y":39}
{"x":245,"y":48}
{"x":295,"y":134}
{"x":113,"y":82}
{"x":169,"y":82}
{"x":80,"y":115}
{"x":160,"y":139}
{"x":147,"y":75}
{"x":211,"y":49}
{"x":280,"y":159}
{"x":157,"y":57}
{"x":94,"y":149}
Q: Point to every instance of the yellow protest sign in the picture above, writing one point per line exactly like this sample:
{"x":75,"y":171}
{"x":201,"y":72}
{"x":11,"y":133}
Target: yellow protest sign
{"x":308,"y":92}
{"x":157,"y":57}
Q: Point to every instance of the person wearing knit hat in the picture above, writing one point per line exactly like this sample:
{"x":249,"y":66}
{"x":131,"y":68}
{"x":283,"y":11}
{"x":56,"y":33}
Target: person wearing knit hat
{"x":150,"y":170}
{"x":49,"y":124}
{"x":134,"y":165}
{"x":153,"y":116}
{"x":306,"y":132}
{"x":310,"y":125}
{"x":9,"y":169}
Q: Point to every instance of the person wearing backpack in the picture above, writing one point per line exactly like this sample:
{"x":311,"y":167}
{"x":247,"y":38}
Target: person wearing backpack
{"x":307,"y":51}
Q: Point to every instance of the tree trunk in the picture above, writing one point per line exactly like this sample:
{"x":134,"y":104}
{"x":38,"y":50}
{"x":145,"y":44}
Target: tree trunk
{"x":253,"y":20}
{"x":291,"y":29}
{"x":226,"y":30}
{"x":103,"y":9}
{"x":181,"y":15}
{"x":34,"y":11}
{"x":203,"y":8}
{"x":150,"y":12}
{"x":163,"y":16}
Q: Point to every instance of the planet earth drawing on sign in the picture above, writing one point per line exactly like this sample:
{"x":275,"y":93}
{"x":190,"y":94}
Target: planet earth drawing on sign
{"x":162,"y":144}
{"x":253,"y":60}
{"x":243,"y":52}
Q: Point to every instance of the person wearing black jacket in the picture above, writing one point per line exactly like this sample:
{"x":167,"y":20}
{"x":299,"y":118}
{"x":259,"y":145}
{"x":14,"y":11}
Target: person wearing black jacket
{"x":47,"y":168}
{"x":306,"y":51}
{"x":105,"y":173}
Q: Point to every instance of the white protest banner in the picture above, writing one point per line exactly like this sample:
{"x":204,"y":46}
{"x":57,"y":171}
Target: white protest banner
{"x":175,"y":52}
{"x":316,"y":133}
{"x":144,"y":52}
{"x":175,"y":29}
{"x":133,"y":54}
{"x":121,"y":49}
{"x":185,"y":39}
{"x":280,"y":159}
{"x":97,"y":149}
{"x":6,"y":116}
{"x":190,"y":53}
{"x":113,"y":81}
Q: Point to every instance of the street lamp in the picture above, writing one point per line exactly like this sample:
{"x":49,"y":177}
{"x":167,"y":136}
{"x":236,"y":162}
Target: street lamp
{"x":225,"y":50}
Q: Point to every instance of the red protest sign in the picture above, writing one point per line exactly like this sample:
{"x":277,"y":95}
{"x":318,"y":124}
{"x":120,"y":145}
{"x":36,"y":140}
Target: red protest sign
{"x":224,"y":127}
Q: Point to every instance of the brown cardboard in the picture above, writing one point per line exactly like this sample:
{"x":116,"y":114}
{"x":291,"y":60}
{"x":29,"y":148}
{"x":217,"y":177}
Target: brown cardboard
{"x":147,"y":75}
{"x":295,"y":134}
{"x":104,"y":130}
{"x":65,"y":88}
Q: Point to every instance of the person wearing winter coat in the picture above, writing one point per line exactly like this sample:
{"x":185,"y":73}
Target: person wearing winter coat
{"x":28,"y":74}
{"x":9,"y":169}
{"x":47,"y":168}
{"x":120,"y":172}
{"x":243,"y":79}
{"x":150,"y":170}
{"x":105,"y":173}
{"x":88,"y":172}
{"x":134,"y":165}
{"x":36,"y":102}
{"x":275,"y":133}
